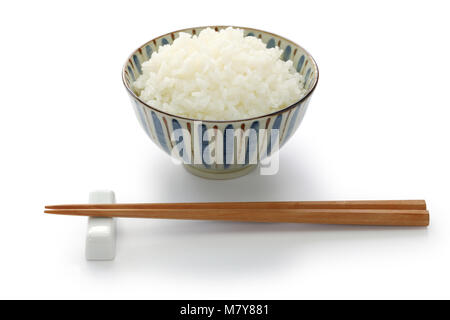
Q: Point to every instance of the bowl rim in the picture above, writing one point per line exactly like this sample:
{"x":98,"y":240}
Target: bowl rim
{"x":304,"y":98}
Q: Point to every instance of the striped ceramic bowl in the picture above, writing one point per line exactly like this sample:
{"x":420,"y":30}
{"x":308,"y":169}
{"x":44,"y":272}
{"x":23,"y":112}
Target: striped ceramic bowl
{"x":221,"y":149}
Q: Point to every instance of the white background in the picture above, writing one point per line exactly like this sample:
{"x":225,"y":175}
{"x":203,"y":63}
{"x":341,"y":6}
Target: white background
{"x":377,"y":128}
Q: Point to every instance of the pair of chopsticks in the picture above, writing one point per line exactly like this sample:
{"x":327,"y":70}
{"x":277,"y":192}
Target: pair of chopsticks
{"x":372,"y":212}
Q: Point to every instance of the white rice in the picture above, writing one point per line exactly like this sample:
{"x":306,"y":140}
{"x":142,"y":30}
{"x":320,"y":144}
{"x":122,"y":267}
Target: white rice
{"x":218,"y":76}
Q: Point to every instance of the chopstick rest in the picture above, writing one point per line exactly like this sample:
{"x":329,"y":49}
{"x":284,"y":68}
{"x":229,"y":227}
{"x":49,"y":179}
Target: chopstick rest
{"x":101,"y":231}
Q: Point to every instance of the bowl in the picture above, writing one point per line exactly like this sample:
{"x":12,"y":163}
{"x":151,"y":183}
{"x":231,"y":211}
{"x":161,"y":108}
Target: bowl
{"x":221,"y":149}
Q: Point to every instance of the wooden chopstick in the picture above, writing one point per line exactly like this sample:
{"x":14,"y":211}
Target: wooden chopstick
{"x":366,"y":204}
{"x":387,"y":213}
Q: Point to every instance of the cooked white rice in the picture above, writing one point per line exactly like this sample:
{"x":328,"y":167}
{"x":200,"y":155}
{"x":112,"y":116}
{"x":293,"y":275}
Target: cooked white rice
{"x":218,"y":76}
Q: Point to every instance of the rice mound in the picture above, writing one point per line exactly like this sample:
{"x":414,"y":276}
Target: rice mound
{"x":218,"y":76}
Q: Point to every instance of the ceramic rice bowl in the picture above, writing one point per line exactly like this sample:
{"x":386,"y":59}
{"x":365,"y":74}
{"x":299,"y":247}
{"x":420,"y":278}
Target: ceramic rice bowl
{"x":221,"y":149}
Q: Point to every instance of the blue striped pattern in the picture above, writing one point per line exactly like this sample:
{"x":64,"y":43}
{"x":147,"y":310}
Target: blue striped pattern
{"x":276,"y":125}
{"x":137,"y":63}
{"x":229,"y":140}
{"x":300,"y":63}
{"x":131,"y":73}
{"x":141,"y":118}
{"x":251,"y":149}
{"x":228,"y":145}
{"x":307,"y":76}
{"x":149,"y":51}
{"x":179,"y":141}
{"x":292,"y":123}
{"x":160,"y":132}
{"x":271,"y":43}
{"x":287,"y":53}
{"x":203,"y":136}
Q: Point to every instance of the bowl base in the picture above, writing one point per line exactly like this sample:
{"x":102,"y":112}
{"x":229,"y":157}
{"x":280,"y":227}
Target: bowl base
{"x":222,"y":174}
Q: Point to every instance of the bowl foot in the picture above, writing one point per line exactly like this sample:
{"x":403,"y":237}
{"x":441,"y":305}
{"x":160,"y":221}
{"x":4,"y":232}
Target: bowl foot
{"x":220,"y":174}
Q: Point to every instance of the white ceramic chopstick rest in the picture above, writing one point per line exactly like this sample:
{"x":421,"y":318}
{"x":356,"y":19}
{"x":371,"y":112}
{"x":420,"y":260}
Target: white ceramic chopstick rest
{"x":101,"y":233}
